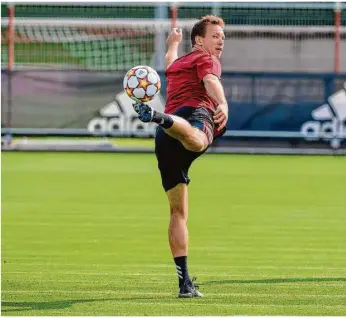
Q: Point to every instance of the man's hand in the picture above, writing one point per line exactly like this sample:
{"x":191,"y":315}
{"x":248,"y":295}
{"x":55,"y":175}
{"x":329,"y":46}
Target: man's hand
{"x":221,"y":116}
{"x":173,"y":41}
{"x":175,"y":37}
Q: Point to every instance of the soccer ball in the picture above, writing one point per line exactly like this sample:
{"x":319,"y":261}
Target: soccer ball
{"x":142,"y":83}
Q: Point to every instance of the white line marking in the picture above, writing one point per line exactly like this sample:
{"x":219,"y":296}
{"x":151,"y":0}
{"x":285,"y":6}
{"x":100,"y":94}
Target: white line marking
{"x":50,"y":264}
{"x":229,"y":249}
{"x":211,"y":275}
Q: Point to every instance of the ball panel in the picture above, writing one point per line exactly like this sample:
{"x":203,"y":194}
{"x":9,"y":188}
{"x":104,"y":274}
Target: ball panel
{"x":129,"y":91}
{"x":139,"y":92}
{"x":130,"y":73}
{"x":143,"y":83}
{"x":132,"y":82}
{"x":150,"y":69}
{"x":151,"y":90}
{"x":146,"y":99}
{"x":141,"y":72}
{"x":152,"y":78}
{"x":125,"y":82}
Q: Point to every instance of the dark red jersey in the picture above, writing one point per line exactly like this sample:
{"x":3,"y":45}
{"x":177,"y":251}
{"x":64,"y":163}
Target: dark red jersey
{"x":185,"y":85}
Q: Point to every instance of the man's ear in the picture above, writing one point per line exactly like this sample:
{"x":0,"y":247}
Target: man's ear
{"x":198,"y":40}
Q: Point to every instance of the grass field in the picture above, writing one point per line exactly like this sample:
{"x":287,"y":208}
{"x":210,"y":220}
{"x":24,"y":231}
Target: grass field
{"x":86,"y":234}
{"x":123,"y":142}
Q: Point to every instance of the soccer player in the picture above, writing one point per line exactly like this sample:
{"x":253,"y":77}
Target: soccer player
{"x":196,"y":113}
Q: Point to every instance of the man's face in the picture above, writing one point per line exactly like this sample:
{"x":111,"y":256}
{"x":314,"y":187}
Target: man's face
{"x":213,"y":41}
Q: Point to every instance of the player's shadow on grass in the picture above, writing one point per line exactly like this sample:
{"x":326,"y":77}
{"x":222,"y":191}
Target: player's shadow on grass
{"x":274,"y":280}
{"x":58,"y":304}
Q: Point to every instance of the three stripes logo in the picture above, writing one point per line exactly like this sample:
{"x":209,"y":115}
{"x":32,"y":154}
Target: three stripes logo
{"x":179,"y":272}
{"x":330,"y":120}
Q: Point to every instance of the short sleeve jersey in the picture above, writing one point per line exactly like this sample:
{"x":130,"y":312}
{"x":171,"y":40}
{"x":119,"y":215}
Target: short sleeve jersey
{"x":185,"y":85}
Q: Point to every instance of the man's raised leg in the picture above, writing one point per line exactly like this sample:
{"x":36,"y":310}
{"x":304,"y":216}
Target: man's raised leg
{"x":191,"y":137}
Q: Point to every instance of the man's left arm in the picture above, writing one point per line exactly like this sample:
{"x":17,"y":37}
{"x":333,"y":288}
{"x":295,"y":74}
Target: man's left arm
{"x":215,"y":90}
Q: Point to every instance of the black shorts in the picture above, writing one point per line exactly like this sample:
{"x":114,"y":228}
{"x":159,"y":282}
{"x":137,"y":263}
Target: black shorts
{"x":173,"y":159}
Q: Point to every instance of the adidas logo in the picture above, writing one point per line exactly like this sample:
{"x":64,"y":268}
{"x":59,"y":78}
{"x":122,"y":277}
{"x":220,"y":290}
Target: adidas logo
{"x":330,"y":120}
{"x":119,"y":117}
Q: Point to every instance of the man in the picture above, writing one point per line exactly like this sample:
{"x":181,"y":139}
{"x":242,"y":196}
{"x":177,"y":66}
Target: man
{"x":196,"y":113}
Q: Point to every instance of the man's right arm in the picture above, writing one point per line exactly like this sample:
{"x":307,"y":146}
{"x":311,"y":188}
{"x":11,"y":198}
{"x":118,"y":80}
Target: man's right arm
{"x":173,"y":41}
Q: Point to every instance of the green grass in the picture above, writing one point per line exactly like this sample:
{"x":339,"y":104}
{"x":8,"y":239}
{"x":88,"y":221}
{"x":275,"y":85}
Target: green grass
{"x":86,"y":234}
{"x":123,"y":142}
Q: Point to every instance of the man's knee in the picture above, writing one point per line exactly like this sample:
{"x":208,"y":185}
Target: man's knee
{"x":178,"y":207}
{"x":178,"y":201}
{"x":178,"y":213}
{"x":197,"y":141}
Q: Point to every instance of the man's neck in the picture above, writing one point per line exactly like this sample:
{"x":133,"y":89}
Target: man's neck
{"x":198,"y":48}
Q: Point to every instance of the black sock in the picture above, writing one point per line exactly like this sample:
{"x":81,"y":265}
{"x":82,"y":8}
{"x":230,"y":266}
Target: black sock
{"x":163,"y":120}
{"x":182,"y":271}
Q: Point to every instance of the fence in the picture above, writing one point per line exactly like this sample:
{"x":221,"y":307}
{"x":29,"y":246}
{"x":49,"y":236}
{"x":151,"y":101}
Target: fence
{"x":259,"y":37}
